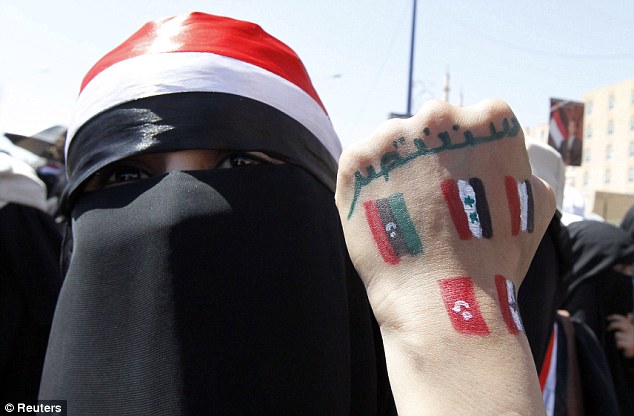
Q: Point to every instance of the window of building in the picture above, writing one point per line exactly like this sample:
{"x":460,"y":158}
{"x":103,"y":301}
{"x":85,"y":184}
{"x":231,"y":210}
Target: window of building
{"x":589,"y":105}
{"x":610,"y":128}
{"x":586,"y":155}
{"x":631,"y":123}
{"x":611,"y":101}
{"x":586,"y":178}
{"x":632,"y":97}
{"x":608,"y":176}
{"x":630,"y":175}
{"x":631,"y":148}
{"x":608,"y":152}
{"x":589,"y":131}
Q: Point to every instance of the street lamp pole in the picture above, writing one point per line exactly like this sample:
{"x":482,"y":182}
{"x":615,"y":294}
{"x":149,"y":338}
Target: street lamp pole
{"x":411,"y":64}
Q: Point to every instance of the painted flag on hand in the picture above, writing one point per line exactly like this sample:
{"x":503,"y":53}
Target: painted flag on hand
{"x":392,"y":228}
{"x":458,"y":294}
{"x":508,"y":305}
{"x":521,"y":206}
{"x":468,"y":207}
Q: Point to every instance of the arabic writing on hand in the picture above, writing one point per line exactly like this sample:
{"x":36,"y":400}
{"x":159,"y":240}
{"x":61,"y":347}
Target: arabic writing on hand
{"x":392,"y":160}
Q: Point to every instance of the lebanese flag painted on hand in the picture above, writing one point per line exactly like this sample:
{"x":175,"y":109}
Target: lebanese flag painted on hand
{"x":508,"y":305}
{"x":468,"y":207}
{"x":459,"y":296}
{"x":521,"y":206}
{"x":392,"y":228}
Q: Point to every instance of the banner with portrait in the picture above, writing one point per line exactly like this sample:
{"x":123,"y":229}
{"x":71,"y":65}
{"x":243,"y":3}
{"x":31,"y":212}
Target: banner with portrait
{"x":565,"y":133}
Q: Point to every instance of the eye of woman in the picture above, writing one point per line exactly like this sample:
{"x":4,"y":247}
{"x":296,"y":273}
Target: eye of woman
{"x":116,"y":174}
{"x":144,"y":166}
{"x":239,"y":160}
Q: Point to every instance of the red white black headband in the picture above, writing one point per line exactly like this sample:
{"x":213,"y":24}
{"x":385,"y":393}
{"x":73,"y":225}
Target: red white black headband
{"x":199,"y":52}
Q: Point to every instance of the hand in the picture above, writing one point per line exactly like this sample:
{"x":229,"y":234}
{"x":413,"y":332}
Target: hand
{"x":442,"y":217}
{"x":623,"y":328}
{"x":417,"y":162}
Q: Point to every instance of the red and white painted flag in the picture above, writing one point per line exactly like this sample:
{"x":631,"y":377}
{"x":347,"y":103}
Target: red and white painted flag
{"x":521,"y":206}
{"x":508,"y":305}
{"x":459,"y":296}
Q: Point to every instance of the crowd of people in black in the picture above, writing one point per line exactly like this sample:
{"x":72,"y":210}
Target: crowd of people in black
{"x":194,"y":258}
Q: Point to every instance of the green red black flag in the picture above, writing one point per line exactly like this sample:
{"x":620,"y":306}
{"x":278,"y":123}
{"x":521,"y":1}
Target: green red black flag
{"x":392,"y":228}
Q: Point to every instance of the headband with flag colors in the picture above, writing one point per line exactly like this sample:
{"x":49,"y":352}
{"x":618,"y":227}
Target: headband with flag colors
{"x":198,"y":52}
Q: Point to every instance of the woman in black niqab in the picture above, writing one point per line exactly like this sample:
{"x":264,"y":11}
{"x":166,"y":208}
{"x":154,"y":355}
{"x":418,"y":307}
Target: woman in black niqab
{"x":598,"y":290}
{"x":225,"y":291}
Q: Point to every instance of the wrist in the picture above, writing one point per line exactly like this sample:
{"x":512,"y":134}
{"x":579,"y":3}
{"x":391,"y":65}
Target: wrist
{"x":444,"y":352}
{"x":467,"y":300}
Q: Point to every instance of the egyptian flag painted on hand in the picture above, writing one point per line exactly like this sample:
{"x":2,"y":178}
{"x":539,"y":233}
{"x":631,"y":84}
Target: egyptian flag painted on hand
{"x":520,"y":200}
{"x":392,"y":228}
{"x":508,"y":305}
{"x":468,"y":207}
{"x":459,"y":297}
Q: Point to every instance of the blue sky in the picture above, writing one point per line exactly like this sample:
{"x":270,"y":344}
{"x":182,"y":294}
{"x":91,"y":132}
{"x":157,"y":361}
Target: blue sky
{"x":357,"y":52}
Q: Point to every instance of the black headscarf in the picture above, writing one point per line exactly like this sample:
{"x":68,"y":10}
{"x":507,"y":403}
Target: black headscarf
{"x":598,"y":291}
{"x":596,"y":248}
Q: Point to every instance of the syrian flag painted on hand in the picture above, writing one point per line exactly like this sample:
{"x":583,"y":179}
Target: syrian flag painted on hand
{"x":521,"y":205}
{"x":508,"y":305}
{"x":468,"y":207}
{"x":459,"y":297}
{"x":392,"y":228}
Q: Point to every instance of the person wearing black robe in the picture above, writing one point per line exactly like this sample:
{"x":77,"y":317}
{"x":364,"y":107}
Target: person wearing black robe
{"x":542,"y":291}
{"x":30,"y":279}
{"x":597,"y":291}
{"x":218,"y":291}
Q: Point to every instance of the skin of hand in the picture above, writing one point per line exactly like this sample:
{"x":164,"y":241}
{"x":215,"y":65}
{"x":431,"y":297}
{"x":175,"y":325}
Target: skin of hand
{"x":434,"y":369}
{"x":623,"y":327}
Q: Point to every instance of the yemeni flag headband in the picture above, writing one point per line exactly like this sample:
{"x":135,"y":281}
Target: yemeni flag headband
{"x":200,"y":81}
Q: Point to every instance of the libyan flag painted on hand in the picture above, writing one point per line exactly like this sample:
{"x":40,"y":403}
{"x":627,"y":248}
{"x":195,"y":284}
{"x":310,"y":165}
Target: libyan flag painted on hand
{"x":392,"y":228}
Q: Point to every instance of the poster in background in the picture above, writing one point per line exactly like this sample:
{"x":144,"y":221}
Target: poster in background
{"x":566,"y":129}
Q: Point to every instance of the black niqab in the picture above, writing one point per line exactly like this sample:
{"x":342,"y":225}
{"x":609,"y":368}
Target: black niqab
{"x":214,"y":292}
{"x":598,"y":291}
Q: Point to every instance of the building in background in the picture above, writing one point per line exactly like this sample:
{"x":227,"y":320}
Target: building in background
{"x":605,"y":178}
{"x":539,"y":132}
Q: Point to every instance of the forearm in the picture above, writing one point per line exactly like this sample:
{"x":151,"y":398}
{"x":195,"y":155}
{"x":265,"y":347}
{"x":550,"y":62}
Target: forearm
{"x":442,"y":217}
{"x":446,"y":364}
